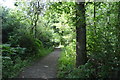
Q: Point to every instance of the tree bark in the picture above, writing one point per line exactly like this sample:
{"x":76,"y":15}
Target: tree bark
{"x":95,"y":17}
{"x":81,"y":56}
{"x":118,"y":74}
{"x":37,"y":18}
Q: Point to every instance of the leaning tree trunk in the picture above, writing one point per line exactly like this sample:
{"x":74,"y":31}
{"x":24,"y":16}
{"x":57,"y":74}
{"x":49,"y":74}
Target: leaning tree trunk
{"x":81,"y":57}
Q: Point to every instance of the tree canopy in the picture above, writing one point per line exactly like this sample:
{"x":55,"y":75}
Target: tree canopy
{"x":87,"y":32}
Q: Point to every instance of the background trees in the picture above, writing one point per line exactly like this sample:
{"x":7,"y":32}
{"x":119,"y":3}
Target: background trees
{"x":20,"y":46}
{"x":101,"y":23}
{"x":32,"y":28}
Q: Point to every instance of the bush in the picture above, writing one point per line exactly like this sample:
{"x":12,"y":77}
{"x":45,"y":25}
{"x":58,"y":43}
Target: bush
{"x":66,"y":61}
{"x":45,"y":36}
{"x":101,"y":65}
{"x":25,"y":40}
{"x":9,"y":24}
{"x":12,"y":60}
{"x":30,"y":43}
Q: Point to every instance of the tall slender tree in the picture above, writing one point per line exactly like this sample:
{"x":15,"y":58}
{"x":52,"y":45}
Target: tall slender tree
{"x":81,"y":57}
{"x":36,"y":12}
{"x":94,"y":17}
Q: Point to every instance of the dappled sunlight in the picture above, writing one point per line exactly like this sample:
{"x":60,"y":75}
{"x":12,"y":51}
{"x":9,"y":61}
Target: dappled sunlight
{"x":61,"y":39}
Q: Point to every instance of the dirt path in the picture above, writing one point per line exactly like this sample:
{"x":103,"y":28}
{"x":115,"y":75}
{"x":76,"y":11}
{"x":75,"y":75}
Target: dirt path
{"x":44,"y":68}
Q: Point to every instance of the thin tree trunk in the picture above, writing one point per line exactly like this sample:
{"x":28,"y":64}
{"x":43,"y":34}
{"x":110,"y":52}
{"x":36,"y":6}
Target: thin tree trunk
{"x":118,"y":30}
{"x":94,"y":17}
{"x":118,"y":74}
{"x":81,"y":57}
{"x":37,"y":14}
{"x":36,"y":24}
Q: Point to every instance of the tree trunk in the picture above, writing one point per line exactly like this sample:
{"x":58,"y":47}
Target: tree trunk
{"x":95,"y":18}
{"x":81,"y":57}
{"x":118,"y":31}
{"x":119,"y":25}
{"x":37,"y":18}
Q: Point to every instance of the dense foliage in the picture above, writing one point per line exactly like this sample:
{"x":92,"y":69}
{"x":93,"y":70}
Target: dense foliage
{"x":103,"y":31}
{"x":20,"y":47}
{"x":32,"y":29}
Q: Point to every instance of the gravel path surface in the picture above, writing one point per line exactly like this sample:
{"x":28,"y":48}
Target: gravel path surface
{"x":44,"y":68}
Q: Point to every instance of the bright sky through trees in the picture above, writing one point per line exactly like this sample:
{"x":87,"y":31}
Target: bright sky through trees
{"x":88,"y":34}
{"x":8,"y":3}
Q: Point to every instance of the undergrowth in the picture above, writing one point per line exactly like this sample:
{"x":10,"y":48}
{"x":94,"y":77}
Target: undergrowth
{"x":13,"y":62}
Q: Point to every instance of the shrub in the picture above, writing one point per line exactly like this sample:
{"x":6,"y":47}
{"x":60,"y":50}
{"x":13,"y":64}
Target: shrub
{"x":11,"y":59}
{"x":25,"y":40}
{"x":100,"y":64}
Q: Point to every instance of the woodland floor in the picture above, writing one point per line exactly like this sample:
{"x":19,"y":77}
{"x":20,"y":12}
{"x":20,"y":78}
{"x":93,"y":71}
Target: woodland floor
{"x":43,"y":68}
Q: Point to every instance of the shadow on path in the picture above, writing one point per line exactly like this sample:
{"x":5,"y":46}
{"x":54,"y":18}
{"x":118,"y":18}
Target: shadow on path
{"x":43,"y":68}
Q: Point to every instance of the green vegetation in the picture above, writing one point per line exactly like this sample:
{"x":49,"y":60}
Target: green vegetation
{"x":15,"y":59}
{"x":102,"y":45}
{"x":20,"y":47}
{"x":88,"y":33}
